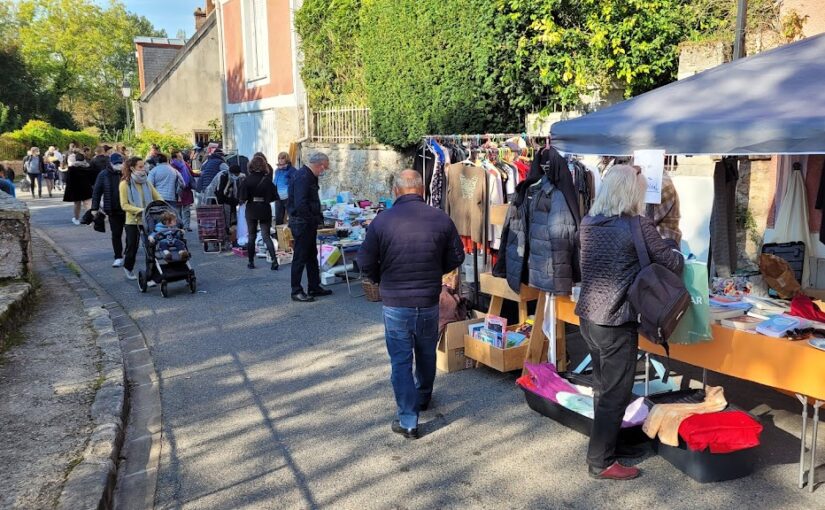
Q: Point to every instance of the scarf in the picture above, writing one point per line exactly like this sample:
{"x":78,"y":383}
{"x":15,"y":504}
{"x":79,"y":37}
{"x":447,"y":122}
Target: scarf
{"x":140,"y":194}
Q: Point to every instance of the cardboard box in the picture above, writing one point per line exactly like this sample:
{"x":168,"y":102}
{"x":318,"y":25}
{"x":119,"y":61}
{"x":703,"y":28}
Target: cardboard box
{"x":449,"y":356}
{"x":284,"y":235}
{"x":503,"y":360}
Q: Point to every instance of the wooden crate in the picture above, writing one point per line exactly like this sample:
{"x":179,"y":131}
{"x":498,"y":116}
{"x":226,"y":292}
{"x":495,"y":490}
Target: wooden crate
{"x":503,"y":360}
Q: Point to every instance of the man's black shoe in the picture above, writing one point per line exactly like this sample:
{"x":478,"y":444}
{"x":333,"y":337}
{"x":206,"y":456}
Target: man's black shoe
{"x":408,"y":433}
{"x":320,"y":292}
{"x":303,"y":298}
{"x":274,"y":266}
{"x":423,"y":406}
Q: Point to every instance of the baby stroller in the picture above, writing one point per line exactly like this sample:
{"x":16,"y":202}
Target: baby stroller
{"x":158,"y":269}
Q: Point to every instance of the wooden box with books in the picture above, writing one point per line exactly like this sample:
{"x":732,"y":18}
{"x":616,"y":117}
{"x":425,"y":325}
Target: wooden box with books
{"x":503,"y":360}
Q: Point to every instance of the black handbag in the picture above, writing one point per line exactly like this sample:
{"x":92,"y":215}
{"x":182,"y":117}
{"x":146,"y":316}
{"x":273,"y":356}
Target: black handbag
{"x":100,"y":222}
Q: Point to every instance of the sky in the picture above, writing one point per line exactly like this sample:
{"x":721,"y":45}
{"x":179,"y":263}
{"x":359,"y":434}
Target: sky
{"x":169,"y":15}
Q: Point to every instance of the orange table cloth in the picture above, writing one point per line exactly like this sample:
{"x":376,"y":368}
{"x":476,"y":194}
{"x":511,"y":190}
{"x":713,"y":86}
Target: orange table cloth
{"x":792,"y":366}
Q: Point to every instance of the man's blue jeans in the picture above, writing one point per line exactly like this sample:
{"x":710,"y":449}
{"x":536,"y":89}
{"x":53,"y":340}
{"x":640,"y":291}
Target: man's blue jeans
{"x":412,"y":335}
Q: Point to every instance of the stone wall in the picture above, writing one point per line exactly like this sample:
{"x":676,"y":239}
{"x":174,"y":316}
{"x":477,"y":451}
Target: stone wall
{"x":365,"y":171}
{"x":15,"y":239}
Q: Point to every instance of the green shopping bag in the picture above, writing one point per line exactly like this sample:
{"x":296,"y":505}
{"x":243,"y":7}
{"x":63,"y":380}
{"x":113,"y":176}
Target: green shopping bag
{"x":695,"y":324}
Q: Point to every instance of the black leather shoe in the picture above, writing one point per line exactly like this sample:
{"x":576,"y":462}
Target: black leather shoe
{"x":250,"y":266}
{"x":275,"y":266}
{"x":408,"y":433}
{"x":423,"y":406}
{"x":303,"y":298}
{"x":320,"y":292}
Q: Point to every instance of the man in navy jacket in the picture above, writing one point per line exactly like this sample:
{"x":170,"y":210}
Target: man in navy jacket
{"x":407,"y":250}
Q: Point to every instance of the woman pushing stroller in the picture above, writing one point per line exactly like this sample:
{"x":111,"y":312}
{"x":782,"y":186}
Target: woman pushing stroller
{"x":135,"y":194}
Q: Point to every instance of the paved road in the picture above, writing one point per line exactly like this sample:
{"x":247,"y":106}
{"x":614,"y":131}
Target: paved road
{"x":273,"y":404}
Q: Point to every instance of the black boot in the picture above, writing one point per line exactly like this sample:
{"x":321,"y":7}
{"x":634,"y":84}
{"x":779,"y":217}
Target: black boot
{"x":275,"y":265}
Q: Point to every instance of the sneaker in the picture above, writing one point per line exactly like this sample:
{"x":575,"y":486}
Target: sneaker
{"x":130,"y":275}
{"x":151,"y":283}
{"x":76,"y":221}
{"x":117,"y":263}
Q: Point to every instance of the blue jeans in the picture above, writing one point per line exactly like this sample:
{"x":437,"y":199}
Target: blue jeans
{"x":412,"y":334}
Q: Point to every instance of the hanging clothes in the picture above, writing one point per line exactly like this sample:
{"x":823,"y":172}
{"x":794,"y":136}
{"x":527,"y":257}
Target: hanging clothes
{"x":666,"y":214}
{"x":820,"y":203}
{"x":723,"y":216}
{"x":466,"y":195}
{"x":792,"y":219}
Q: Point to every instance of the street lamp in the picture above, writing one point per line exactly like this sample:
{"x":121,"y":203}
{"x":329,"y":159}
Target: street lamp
{"x":126,"y":89}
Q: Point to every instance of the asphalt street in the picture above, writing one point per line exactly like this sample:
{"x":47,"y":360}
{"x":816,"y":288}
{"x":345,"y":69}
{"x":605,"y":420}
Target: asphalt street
{"x":273,"y":404}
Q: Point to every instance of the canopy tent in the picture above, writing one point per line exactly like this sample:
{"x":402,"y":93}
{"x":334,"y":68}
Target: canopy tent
{"x":769,"y":103}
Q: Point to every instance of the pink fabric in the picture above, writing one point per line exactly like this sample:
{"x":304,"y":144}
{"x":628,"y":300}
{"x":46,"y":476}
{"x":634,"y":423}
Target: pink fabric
{"x":546,"y":382}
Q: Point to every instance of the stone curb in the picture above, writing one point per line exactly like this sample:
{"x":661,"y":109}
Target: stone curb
{"x":91,"y":483}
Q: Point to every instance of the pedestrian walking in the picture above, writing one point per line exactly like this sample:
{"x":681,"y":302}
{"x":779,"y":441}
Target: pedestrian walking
{"x":210,"y":169}
{"x":6,"y":184}
{"x":79,"y":184}
{"x":35,"y":168}
{"x":609,"y":265}
{"x":186,"y":196}
{"x":166,"y":180}
{"x":50,"y":171}
{"x":304,"y":207}
{"x":135,"y":194}
{"x":258,"y":192}
{"x":107,"y":189}
{"x":408,"y":248}
{"x":283,"y":174}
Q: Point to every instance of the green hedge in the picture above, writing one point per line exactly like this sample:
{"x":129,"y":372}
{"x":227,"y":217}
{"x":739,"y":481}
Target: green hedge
{"x":166,"y":141}
{"x":37,"y":133}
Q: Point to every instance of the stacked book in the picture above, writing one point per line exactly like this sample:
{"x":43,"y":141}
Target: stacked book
{"x":722,"y":307}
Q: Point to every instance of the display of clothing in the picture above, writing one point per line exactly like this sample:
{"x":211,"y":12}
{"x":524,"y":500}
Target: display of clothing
{"x":664,"y":420}
{"x":725,"y":432}
{"x":666,"y":214}
{"x":792,"y":219}
{"x":466,"y":195}
{"x":495,"y":196}
{"x":723,"y":217}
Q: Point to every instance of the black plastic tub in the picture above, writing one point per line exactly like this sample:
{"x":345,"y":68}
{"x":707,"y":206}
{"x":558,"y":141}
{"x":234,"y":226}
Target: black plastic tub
{"x":704,"y":467}
{"x":576,"y":421}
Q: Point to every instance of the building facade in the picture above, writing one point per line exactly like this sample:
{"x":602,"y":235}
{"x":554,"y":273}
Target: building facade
{"x":185,"y":95}
{"x":264,"y":100}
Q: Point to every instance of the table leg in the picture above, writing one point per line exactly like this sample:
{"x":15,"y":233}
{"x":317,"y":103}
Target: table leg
{"x":804,"y":400}
{"x":812,"y":470}
{"x":346,"y":272}
{"x":705,"y":380}
{"x":647,"y":374}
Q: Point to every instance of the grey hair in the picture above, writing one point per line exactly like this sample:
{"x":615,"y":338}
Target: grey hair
{"x":622,"y":192}
{"x":415,"y":181}
{"x":316,"y":158}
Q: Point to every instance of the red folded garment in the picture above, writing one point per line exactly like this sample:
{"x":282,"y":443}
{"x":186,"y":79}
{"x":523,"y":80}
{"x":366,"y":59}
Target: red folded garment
{"x":803,"y":306}
{"x":723,"y":432}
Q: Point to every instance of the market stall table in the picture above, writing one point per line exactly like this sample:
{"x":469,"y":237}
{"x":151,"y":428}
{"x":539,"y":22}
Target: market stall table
{"x":791,"y":366}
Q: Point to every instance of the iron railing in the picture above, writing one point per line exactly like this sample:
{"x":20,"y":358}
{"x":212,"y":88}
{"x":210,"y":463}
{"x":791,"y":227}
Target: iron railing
{"x":341,"y":125}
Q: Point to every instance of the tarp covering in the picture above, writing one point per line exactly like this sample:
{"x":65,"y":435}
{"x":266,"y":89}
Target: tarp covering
{"x":769,"y":103}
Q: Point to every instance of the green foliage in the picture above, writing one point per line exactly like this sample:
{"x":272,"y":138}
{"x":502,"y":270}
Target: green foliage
{"x":332,"y":67}
{"x":430,"y":66}
{"x":37,"y":133}
{"x":80,"y":53}
{"x":166,"y":141}
{"x":215,"y":130}
{"x":10,"y":148}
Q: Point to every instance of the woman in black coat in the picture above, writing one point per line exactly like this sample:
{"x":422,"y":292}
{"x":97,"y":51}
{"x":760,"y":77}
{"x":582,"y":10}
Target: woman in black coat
{"x":609,"y":265}
{"x":258,"y":192}
{"x":79,"y":182}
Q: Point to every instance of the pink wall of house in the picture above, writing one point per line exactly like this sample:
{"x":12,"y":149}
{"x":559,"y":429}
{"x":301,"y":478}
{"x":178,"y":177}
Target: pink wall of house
{"x":280,"y":53}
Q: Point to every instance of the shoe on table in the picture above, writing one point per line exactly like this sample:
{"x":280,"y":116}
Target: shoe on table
{"x":117,"y":263}
{"x":407,"y":433}
{"x":303,"y":298}
{"x":320,"y":291}
{"x":130,"y":275}
{"x":614,"y":472}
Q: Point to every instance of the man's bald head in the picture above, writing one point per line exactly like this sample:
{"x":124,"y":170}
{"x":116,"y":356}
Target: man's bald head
{"x":408,"y":182}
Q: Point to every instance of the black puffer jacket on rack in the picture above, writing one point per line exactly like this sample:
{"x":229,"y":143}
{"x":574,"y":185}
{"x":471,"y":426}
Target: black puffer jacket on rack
{"x":553,"y":257}
{"x":515,"y":250}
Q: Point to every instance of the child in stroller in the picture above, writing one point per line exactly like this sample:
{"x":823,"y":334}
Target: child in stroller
{"x":168,"y":239}
{"x":167,"y":256}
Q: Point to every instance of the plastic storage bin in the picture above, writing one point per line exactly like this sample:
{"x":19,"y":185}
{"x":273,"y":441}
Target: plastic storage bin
{"x":704,"y":467}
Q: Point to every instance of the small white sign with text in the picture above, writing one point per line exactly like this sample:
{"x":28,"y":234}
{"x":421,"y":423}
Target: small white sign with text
{"x":652,"y":163}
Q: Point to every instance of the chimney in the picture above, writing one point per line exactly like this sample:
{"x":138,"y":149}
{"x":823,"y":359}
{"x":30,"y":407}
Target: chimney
{"x":200,"y":18}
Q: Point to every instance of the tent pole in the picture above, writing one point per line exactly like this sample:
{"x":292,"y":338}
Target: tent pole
{"x":741,"y":27}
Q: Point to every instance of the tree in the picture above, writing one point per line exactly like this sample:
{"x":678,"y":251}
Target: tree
{"x":82,"y":52}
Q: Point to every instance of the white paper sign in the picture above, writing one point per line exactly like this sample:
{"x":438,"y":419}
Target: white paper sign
{"x":652,"y":163}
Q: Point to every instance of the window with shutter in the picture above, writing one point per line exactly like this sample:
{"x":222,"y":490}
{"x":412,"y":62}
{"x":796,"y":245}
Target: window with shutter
{"x":256,"y":41}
